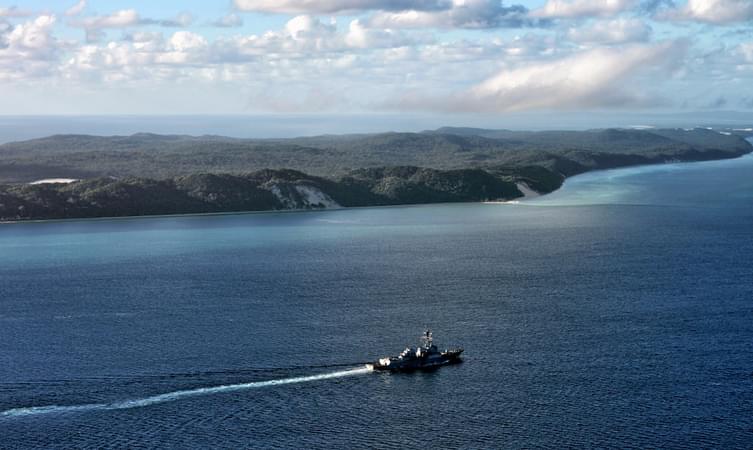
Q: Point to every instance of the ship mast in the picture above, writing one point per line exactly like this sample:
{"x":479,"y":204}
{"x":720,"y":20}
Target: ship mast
{"x":426,"y":339}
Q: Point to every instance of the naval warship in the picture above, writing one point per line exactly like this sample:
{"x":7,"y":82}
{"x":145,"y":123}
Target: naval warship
{"x":425,"y":356}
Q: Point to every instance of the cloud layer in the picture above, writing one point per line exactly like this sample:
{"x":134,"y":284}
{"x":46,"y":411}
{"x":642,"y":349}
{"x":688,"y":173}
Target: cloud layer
{"x":435,"y":55}
{"x":616,"y":31}
{"x":583,"y":8}
{"x":719,"y":12}
{"x":469,"y":14}
{"x":337,"y":6}
{"x":594,"y":78}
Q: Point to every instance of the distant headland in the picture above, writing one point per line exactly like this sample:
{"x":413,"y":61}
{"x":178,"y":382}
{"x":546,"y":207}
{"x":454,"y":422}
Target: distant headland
{"x":83,"y":176}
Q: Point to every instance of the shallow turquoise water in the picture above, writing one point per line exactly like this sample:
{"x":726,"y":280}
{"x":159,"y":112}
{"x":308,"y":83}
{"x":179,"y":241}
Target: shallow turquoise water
{"x":614,"y":312}
{"x":712,"y":184}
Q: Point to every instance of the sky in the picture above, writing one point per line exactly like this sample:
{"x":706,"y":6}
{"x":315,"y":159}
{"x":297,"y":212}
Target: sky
{"x":442,"y":57}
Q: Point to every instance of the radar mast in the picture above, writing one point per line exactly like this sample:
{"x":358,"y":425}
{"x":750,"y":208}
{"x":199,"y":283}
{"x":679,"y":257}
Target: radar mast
{"x":426,"y":339}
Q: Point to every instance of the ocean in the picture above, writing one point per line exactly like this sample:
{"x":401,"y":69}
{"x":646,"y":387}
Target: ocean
{"x":615,"y":312}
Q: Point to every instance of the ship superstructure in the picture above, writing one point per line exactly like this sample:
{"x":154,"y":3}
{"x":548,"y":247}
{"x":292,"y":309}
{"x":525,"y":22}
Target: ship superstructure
{"x":425,"y":356}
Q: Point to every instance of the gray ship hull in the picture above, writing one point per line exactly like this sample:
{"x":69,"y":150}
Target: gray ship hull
{"x":428,"y":362}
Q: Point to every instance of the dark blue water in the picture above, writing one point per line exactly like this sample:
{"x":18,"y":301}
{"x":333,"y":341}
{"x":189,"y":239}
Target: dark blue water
{"x":616,"y":312}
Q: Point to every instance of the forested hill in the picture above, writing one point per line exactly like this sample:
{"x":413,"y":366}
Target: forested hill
{"x":146,"y":174}
{"x":160,"y":157}
{"x":258,"y":191}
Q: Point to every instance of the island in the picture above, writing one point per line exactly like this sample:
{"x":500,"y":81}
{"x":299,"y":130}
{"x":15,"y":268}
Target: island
{"x":82,"y":176}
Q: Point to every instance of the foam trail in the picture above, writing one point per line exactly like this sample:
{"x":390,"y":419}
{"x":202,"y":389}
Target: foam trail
{"x":176,"y":395}
{"x":37,"y":410}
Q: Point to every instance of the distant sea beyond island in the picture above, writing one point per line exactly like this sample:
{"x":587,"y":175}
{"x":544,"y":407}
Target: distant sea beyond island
{"x":84,"y":176}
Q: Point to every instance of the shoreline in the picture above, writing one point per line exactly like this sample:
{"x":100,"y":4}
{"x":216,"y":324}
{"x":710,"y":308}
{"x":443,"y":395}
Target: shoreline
{"x":528,"y":194}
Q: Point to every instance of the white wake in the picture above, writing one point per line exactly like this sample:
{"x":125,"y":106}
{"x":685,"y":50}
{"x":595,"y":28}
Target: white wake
{"x":176,"y":395}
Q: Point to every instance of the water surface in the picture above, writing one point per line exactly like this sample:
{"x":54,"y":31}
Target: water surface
{"x":617,"y":311}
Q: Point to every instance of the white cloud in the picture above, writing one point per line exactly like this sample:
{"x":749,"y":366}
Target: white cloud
{"x":304,"y":46}
{"x":125,"y":18}
{"x":583,"y":8}
{"x":304,"y":27}
{"x":33,"y":36}
{"x":76,"y":9}
{"x":337,"y":6}
{"x":364,"y":37}
{"x":591,"y":79}
{"x":745,"y":50}
{"x":228,"y":21}
{"x":145,"y":56}
{"x":616,"y":31}
{"x":13,"y":11}
{"x":28,"y":49}
{"x":184,"y":41}
{"x":184,"y":48}
{"x":118,"y":19}
{"x":308,"y":36}
{"x":146,"y":41}
{"x":460,"y":14}
{"x":719,"y":12}
{"x":377,"y":57}
{"x":182,"y":20}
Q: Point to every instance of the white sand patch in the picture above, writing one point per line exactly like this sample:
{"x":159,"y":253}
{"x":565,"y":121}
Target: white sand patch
{"x":501,"y":202}
{"x":308,"y":197}
{"x":55,"y":180}
{"x":278,"y":193}
{"x":314,"y":196}
{"x":527,"y":191}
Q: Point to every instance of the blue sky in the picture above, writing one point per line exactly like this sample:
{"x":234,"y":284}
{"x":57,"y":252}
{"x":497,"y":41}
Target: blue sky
{"x":449,"y":57}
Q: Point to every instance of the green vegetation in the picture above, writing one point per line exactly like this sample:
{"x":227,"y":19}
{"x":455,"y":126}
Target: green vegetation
{"x":257,"y":191}
{"x":160,"y":157}
{"x":152,"y":174}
